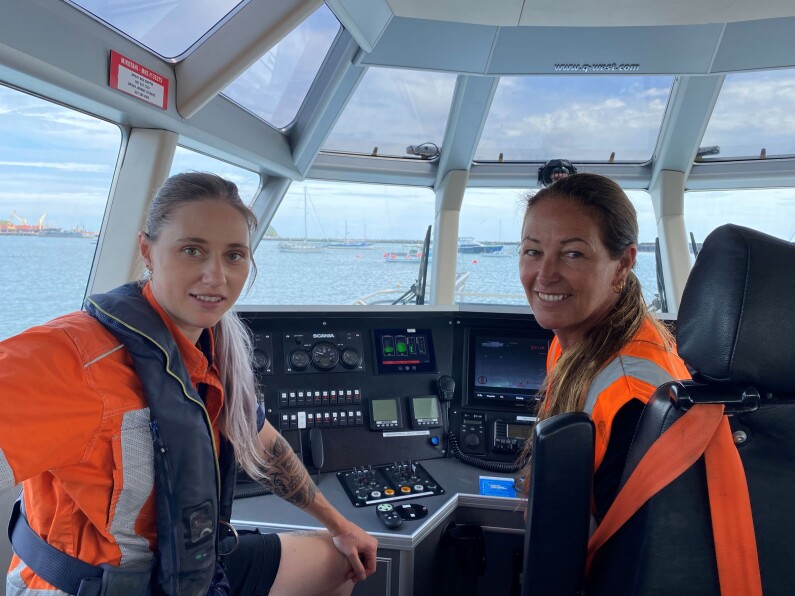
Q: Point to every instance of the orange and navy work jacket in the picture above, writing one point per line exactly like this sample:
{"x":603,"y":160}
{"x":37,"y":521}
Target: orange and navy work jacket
{"x":634,"y":373}
{"x":75,"y":432}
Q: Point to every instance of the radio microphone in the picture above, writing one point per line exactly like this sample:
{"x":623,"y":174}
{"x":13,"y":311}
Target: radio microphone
{"x":445,"y":387}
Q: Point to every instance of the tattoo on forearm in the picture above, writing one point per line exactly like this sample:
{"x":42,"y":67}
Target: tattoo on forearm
{"x":287,"y":477}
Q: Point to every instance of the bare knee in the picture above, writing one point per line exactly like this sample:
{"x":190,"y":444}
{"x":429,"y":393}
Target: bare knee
{"x":311,"y":565}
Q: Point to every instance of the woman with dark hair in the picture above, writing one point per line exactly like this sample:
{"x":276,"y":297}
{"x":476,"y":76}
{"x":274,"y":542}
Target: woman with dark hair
{"x":131,"y":417}
{"x":579,"y":242}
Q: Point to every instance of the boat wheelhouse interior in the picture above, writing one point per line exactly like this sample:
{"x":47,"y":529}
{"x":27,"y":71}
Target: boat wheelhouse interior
{"x":351,"y":127}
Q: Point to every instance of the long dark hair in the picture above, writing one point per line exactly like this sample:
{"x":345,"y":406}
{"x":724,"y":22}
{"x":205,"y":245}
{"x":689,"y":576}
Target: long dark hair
{"x":567,"y":384}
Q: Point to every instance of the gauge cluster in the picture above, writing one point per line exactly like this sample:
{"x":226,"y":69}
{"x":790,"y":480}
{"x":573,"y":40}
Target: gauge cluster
{"x":326,"y":351}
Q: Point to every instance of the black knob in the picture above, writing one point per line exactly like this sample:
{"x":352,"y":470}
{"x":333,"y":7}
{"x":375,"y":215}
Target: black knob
{"x":472,"y":441}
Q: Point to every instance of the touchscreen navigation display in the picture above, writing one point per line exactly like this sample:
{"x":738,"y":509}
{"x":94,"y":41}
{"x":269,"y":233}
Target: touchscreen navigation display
{"x":506,"y":368}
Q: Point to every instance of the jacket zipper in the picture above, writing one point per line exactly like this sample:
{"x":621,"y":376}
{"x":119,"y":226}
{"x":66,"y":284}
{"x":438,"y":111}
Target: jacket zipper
{"x":162,"y":458}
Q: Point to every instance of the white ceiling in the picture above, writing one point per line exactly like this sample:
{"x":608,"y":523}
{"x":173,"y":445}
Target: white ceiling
{"x":589,"y":13}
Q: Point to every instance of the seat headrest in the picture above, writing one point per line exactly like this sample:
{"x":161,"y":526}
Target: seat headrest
{"x":736,"y":322}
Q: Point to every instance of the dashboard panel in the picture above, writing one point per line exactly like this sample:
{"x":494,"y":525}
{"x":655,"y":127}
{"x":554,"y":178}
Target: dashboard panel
{"x":369,"y":382}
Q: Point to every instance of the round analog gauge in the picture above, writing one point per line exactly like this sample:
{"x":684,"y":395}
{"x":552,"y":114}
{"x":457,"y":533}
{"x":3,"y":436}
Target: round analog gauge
{"x":299,"y":359}
{"x":262,"y":361}
{"x":351,"y":358}
{"x":325,"y":355}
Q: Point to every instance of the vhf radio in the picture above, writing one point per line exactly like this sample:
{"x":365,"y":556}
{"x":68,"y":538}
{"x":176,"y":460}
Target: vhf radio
{"x":508,"y":433}
{"x":510,"y":436}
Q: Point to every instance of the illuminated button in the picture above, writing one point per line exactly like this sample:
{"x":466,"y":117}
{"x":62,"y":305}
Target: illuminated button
{"x":389,"y":492}
{"x":419,"y":487}
{"x":375,"y":494}
{"x":405,"y":489}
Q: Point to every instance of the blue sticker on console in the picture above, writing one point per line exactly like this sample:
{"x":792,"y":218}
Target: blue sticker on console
{"x":494,"y":486}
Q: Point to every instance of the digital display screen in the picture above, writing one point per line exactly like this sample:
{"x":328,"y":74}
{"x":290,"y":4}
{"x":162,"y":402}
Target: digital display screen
{"x":519,"y":431}
{"x":404,"y":351}
{"x":507,"y":368}
{"x":385,"y":410}
{"x":426,"y":407}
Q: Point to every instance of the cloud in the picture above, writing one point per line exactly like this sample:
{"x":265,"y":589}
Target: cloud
{"x":69,"y":166}
{"x":392,"y":109}
{"x":754,"y":111}
{"x":582,"y":118}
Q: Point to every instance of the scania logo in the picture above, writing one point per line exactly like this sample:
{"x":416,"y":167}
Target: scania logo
{"x":323,"y":336}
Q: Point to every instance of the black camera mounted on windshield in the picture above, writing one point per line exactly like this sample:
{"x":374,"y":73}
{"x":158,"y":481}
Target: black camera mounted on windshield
{"x":554,"y":170}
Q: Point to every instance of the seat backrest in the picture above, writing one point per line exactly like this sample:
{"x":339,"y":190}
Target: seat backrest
{"x":736,"y":332}
{"x":559,"y":506}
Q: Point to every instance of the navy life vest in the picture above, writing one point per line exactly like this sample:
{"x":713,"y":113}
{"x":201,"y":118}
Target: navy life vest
{"x":188,"y":475}
{"x":193,"y":487}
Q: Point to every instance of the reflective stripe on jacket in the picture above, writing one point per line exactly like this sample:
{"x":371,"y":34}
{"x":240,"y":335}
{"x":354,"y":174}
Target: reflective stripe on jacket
{"x":75,"y":430}
{"x":638,"y":369}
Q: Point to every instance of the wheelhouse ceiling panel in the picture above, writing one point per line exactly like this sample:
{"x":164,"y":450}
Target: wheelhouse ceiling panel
{"x":579,"y":13}
{"x":756,"y":44}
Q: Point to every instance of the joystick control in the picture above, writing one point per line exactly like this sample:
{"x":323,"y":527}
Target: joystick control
{"x":388,"y":516}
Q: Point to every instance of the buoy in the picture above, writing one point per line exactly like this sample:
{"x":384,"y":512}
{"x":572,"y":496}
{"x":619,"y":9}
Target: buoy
{"x":474,"y":261}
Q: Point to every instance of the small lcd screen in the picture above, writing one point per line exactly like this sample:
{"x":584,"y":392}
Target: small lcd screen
{"x":426,"y":407}
{"x":507,"y":368}
{"x":385,"y":410}
{"x":404,"y":350}
{"x":519,"y":431}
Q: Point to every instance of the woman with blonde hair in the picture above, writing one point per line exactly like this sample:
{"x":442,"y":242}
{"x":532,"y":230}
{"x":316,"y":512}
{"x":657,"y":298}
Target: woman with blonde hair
{"x":125,"y":422}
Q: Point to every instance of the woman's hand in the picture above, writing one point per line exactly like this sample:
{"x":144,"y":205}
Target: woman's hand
{"x":359,"y":548}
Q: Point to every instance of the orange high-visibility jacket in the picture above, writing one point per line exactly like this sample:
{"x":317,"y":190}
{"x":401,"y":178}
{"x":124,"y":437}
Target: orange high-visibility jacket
{"x":638,"y":369}
{"x":73,"y":418}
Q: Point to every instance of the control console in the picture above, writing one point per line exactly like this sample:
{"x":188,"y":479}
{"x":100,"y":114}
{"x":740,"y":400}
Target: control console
{"x":370,"y":485}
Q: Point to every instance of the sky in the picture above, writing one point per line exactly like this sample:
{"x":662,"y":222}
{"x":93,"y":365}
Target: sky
{"x":58,"y":163}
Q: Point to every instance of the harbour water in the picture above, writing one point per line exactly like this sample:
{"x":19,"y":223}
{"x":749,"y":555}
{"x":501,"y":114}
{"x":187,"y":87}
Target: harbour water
{"x":42,"y":278}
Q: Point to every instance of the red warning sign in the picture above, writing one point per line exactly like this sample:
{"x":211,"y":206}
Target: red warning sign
{"x":130,"y":77}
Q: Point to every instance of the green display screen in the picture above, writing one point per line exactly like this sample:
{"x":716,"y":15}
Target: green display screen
{"x":384,"y":409}
{"x":426,"y":407}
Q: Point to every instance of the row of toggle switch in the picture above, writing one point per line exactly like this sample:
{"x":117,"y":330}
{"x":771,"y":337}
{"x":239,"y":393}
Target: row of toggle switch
{"x":321,"y":419}
{"x":329,"y":397}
